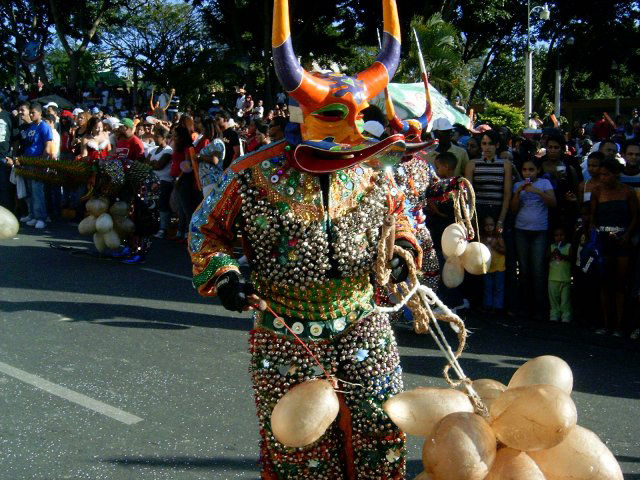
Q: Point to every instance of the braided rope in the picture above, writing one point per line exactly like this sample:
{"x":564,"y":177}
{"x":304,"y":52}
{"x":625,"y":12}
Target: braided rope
{"x":419,"y":299}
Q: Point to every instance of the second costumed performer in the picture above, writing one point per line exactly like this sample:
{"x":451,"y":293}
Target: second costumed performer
{"x":310,"y":210}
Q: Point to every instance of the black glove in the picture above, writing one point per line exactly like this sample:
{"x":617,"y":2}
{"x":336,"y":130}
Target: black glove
{"x":399,"y":268}
{"x":233,"y":291}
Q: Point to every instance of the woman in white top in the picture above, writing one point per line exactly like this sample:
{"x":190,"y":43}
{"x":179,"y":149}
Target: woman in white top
{"x":160,"y":160}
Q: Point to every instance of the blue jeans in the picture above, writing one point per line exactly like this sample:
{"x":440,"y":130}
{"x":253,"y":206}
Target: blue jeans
{"x":531,"y":246}
{"x":494,"y":290}
{"x":36,"y":200}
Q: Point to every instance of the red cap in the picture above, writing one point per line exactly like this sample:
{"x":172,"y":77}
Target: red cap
{"x":66,"y":113}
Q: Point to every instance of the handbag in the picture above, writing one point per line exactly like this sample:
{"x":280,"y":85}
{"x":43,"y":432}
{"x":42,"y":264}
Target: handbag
{"x":591,"y":258}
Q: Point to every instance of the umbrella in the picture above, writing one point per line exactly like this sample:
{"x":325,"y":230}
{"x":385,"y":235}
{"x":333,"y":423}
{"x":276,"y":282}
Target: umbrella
{"x":62,"y":102}
{"x":409,"y":100}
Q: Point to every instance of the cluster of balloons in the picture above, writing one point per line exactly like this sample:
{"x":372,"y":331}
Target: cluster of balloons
{"x":107,"y":225}
{"x":474,"y":257}
{"x":9,"y":225}
{"x":531,"y":432}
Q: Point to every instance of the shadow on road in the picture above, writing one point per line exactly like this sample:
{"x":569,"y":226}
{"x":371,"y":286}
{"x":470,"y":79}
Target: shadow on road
{"x":99,"y":312}
{"x":187,"y":462}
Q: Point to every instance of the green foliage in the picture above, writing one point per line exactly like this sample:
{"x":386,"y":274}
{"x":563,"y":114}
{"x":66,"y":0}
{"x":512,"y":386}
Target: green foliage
{"x":90,"y":63}
{"x":442,"y":51}
{"x":502,"y":115}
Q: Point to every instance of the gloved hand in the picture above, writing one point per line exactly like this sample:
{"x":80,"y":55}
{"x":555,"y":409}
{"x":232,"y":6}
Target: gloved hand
{"x":234,"y":292}
{"x":399,"y":268}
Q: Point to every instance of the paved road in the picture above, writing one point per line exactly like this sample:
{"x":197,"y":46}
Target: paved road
{"x":112,"y":371}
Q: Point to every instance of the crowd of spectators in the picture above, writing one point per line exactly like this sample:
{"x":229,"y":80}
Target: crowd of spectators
{"x":558,"y":208}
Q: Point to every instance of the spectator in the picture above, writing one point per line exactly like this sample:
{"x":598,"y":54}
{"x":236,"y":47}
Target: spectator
{"x":631,"y":173}
{"x":494,"y":279}
{"x":443,"y":131}
{"x":565,"y":181}
{"x":614,"y":215}
{"x":473,"y":148}
{"x":530,"y":203}
{"x":52,"y":108}
{"x":185,"y":186}
{"x":609,"y":149}
{"x":96,"y":144}
{"x":129,"y":145}
{"x":6,"y":191}
{"x":38,"y":142}
{"x":603,"y":128}
{"x":159,"y":157}
{"x":276,"y":129}
{"x":491,"y":178}
{"x":230,"y":138}
{"x":560,"y":278}
{"x":258,"y":111}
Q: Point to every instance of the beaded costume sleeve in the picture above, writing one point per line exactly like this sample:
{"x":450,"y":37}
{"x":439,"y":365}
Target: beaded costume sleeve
{"x":211,"y":236}
{"x":404,"y":231}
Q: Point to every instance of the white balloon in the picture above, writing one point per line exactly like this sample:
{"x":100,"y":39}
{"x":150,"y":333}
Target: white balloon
{"x":476,"y":258}
{"x":9,"y":225}
{"x":98,"y":241}
{"x":111,"y":239}
{"x":104,"y":223}
{"x":454,"y":240}
{"x":453,"y":272}
{"x":87,"y":226}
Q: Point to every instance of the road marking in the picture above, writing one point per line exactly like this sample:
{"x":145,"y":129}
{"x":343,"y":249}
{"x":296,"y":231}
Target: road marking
{"x":166,"y":273}
{"x":75,"y":397}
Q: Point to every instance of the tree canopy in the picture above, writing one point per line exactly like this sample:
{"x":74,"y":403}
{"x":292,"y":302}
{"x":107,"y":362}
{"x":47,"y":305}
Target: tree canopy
{"x":473,"y":48}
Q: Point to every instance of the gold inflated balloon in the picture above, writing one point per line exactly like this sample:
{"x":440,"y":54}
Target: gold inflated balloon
{"x":534,"y":417}
{"x":488,"y":389}
{"x":462,"y":447}
{"x":547,"y":370}
{"x":513,"y":464}
{"x":581,"y":456}
{"x":98,"y":241}
{"x":304,"y":413}
{"x":97,"y":206}
{"x":9,"y":225}
{"x":422,"y":476}
{"x":417,"y":411}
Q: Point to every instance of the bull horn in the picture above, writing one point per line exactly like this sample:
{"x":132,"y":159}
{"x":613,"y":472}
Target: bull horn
{"x":378,"y":75}
{"x":296,"y":81}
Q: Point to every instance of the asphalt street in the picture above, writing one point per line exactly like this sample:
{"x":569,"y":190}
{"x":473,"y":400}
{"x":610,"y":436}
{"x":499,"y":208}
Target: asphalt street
{"x":113,"y":371}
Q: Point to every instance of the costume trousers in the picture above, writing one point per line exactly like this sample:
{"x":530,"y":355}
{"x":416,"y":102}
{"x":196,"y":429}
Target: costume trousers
{"x":560,"y":300}
{"x":362,"y":443}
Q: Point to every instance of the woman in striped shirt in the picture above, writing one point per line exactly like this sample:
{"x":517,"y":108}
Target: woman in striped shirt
{"x":492,"y":179}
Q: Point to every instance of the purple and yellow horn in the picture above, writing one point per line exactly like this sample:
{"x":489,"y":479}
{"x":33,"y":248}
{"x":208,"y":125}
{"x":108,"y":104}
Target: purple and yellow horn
{"x":378,"y":75}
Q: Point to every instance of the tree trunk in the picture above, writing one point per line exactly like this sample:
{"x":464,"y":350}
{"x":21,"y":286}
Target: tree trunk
{"x":483,"y":71}
{"x":72,"y":77}
{"x":548,"y":75}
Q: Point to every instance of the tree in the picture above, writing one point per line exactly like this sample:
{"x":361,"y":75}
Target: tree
{"x":166,"y":43}
{"x":22,"y":22}
{"x":442,"y":51}
{"x":77,"y":25}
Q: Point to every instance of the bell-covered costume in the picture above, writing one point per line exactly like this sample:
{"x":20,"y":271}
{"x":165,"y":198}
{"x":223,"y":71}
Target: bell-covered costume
{"x":309,"y":211}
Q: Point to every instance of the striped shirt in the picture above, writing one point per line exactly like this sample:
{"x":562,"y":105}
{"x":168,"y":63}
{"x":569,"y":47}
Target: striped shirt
{"x":633,"y":181}
{"x":488,"y":181}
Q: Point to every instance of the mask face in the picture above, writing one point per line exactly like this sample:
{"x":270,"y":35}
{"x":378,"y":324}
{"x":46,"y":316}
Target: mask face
{"x":328,"y":106}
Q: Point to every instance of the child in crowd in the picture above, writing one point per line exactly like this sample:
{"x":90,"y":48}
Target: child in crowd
{"x":560,"y":278}
{"x":531,"y":201}
{"x":494,"y":278}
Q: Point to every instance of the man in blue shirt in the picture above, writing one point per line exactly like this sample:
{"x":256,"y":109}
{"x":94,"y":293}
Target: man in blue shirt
{"x":38,"y":142}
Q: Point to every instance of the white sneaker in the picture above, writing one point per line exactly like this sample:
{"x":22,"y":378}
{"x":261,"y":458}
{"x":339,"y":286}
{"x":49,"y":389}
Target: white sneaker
{"x":25,"y":219}
{"x":32,"y":222}
{"x":40,"y":224}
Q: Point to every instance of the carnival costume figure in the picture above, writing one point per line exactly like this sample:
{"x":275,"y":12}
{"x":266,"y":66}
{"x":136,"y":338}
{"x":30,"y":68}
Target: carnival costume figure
{"x":309,"y":211}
